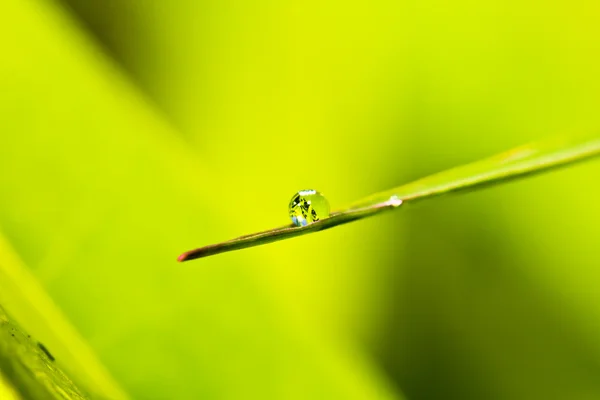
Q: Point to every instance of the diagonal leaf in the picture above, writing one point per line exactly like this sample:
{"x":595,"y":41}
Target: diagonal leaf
{"x":34,"y":309}
{"x":521,"y":161}
{"x":30,"y":367}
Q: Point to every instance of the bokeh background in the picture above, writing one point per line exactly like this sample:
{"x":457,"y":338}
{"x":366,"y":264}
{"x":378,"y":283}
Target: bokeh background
{"x":131,"y":131}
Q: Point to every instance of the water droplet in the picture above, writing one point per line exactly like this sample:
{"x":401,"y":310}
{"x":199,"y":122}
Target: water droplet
{"x":395,"y":201}
{"x":308,"y":206}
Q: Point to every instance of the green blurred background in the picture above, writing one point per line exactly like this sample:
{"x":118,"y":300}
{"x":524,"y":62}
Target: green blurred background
{"x":132,"y":130}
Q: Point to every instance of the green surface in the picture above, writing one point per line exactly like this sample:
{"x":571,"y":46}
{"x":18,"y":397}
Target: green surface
{"x":30,"y":369}
{"x":131,"y":131}
{"x":21,"y":292}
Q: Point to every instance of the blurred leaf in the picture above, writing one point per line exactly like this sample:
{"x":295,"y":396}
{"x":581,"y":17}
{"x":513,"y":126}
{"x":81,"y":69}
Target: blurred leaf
{"x":21,"y":292}
{"x":525,"y":160}
{"x":30,"y":367}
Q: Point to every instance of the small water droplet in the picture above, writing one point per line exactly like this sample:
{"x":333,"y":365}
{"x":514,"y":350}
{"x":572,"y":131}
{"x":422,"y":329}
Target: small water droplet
{"x":308,"y":206}
{"x":395,"y":201}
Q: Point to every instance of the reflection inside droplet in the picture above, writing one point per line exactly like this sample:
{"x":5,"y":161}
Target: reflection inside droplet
{"x":308,"y":206}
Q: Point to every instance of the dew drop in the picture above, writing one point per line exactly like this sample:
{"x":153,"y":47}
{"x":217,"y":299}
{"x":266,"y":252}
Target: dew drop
{"x":308,"y":206}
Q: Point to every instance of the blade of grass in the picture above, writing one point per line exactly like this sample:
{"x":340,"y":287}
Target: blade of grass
{"x":519,"y":162}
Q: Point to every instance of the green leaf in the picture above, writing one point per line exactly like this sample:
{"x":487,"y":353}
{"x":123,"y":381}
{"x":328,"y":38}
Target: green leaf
{"x":521,"y":161}
{"x":35,"y":310}
{"x":28,"y":369}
